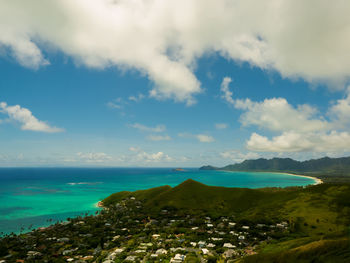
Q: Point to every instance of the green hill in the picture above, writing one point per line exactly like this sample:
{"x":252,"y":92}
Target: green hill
{"x":318,"y":215}
{"x":319,"y":209}
{"x":327,"y":251}
{"x":328,"y":169}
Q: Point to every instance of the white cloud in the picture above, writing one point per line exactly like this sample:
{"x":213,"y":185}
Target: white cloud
{"x":237,"y":156}
{"x":225,"y":89}
{"x":204,"y":138}
{"x":163,"y":39}
{"x":26,"y":119}
{"x":159,"y":137}
{"x":277,"y":114}
{"x":158,"y":128}
{"x":116,"y":104}
{"x":200,"y":137}
{"x":340,"y":111}
{"x":301,"y":128}
{"x":299,"y":142}
{"x":94,"y":157}
{"x":144,"y":157}
{"x":221,"y":126}
{"x":137,"y":98}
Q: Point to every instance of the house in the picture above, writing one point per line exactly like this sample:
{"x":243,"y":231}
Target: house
{"x":229,"y":245}
{"x":178,"y":258}
{"x":84,"y":258}
{"x":154,"y":255}
{"x":193,"y":244}
{"x":241,"y":237}
{"x":201,"y":244}
{"x":231,"y":224}
{"x":205,"y":251}
{"x":210,"y":225}
{"x":245,"y":227}
{"x":130,"y":258}
{"x":155,"y":236}
{"x":211,"y":245}
{"x":161,"y":251}
{"x":116,"y":237}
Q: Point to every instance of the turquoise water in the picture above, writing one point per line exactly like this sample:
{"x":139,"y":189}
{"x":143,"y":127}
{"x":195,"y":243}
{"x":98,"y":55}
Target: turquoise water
{"x":29,"y":197}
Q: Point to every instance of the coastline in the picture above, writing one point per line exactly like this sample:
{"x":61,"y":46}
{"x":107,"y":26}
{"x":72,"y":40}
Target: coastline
{"x":317,"y":180}
{"x":99,"y":204}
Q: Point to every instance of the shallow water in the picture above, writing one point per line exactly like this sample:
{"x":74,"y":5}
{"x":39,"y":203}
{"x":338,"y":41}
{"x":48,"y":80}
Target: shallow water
{"x":34,"y":197}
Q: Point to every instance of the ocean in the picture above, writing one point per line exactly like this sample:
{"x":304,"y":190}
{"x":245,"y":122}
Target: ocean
{"x":37,"y":197}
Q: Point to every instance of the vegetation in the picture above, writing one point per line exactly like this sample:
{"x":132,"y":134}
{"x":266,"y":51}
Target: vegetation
{"x":199,"y":223}
{"x":326,"y":169}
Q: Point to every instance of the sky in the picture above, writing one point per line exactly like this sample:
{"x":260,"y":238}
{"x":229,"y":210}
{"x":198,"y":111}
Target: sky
{"x":153,"y":83}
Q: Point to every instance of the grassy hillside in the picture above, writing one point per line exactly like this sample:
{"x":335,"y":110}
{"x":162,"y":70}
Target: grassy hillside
{"x":315,"y":210}
{"x":327,"y":169}
{"x":318,"y":215}
{"x":329,"y":251}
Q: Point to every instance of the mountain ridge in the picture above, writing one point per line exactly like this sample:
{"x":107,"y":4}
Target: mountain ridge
{"x":326,"y":168}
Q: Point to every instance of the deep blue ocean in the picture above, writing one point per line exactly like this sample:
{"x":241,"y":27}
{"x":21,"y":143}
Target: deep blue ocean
{"x":32,"y":197}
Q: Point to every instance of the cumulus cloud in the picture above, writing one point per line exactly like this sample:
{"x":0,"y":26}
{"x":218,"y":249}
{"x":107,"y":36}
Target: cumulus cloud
{"x":27,"y":120}
{"x":163,"y":39}
{"x":200,"y":137}
{"x":141,"y":127}
{"x":159,"y":137}
{"x":296,"y":142}
{"x":225,"y":90}
{"x":277,"y":114}
{"x":221,"y":126}
{"x":145,"y":157}
{"x":301,"y":128}
{"x":340,"y":111}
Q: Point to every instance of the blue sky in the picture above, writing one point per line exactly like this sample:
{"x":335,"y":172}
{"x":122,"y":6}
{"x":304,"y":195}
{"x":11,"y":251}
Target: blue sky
{"x":158,"y":98}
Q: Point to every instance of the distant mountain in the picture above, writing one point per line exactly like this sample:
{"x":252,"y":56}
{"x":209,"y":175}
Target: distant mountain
{"x":326,"y":166}
{"x":208,"y":167}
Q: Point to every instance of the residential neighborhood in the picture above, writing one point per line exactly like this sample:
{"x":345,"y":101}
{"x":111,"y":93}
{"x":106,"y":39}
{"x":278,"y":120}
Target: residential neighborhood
{"x":125,"y":232}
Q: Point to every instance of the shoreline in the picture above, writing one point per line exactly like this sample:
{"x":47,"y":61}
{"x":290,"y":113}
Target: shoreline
{"x":317,"y":180}
{"x":99,"y":204}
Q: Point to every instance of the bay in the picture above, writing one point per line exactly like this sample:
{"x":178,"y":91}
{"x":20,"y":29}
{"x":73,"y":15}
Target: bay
{"x":37,"y":197}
